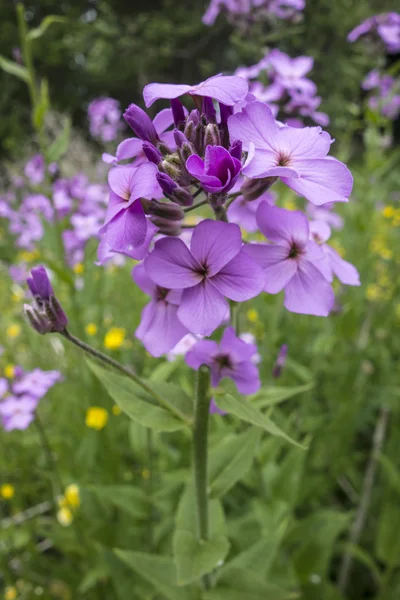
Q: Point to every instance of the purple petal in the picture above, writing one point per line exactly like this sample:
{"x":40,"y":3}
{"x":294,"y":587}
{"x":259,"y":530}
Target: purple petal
{"x":160,"y":329}
{"x":115,"y":205}
{"x":163,"y":120}
{"x":120,"y":181}
{"x":203,"y":308}
{"x":246,"y":377}
{"x":308,"y":292}
{"x":141,"y":279}
{"x":144,"y":183}
{"x":239,"y":349}
{"x":344,"y":271}
{"x":241,"y":279}
{"x":322,"y":180}
{"x":278,"y":268}
{"x":254,"y":124}
{"x":215,"y":243}
{"x":201,"y":353}
{"x":171,"y":265}
{"x":128,"y":229}
{"x":226,"y":89}
{"x":155,"y":91}
{"x":129,"y":148}
{"x":307,"y":142}
{"x":283,"y":226}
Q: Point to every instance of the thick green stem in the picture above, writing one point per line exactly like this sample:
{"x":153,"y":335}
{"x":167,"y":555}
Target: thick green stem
{"x":200,"y":454}
{"x":116,"y":365}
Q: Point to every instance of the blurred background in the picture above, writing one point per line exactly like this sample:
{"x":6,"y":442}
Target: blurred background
{"x":338,"y":499}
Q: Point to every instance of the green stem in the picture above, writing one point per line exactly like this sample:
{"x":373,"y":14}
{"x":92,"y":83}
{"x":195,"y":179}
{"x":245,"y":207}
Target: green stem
{"x":26,"y":52}
{"x":116,"y":365}
{"x":196,"y":205}
{"x":150,"y":467}
{"x":200,"y":455}
{"x":58,"y":488}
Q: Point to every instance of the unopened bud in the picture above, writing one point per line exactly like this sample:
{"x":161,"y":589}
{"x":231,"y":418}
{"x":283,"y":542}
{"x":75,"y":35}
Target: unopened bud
{"x":185,"y":148}
{"x":254,"y":188}
{"x":141,"y":123}
{"x":163,"y":209}
{"x":211,"y":135}
{"x":208,"y":110}
{"x":45,"y":314}
{"x":151,"y":153}
{"x":178,"y":112}
{"x":166,"y":226}
{"x":280,"y":361}
{"x":236,"y":150}
{"x":225,"y":112}
{"x":170,"y":168}
{"x":38,"y":322}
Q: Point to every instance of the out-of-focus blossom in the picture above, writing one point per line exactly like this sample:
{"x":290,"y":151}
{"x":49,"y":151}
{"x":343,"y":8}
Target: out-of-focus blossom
{"x":45,"y":314}
{"x":35,"y":169}
{"x":183,"y":346}
{"x":243,"y":212}
{"x":238,"y":9}
{"x":385,"y":26}
{"x":104,"y":116}
{"x":17,"y":412}
{"x":280,"y":361}
{"x":386,"y":97}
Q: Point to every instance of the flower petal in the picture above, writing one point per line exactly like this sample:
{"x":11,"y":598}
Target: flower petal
{"x":163,"y":120}
{"x":155,"y":91}
{"x":141,"y":279}
{"x":128,"y":229}
{"x":215,"y":243}
{"x":129,"y":148}
{"x":308,"y":292}
{"x":226,"y":89}
{"x":203,"y":308}
{"x":160,"y":329}
{"x":283,"y":226}
{"x":201,"y":353}
{"x":241,"y":279}
{"x":278,"y":268}
{"x":256,"y":124}
{"x":246,"y":377}
{"x":344,"y":271}
{"x":144,"y":183}
{"x":171,"y":265}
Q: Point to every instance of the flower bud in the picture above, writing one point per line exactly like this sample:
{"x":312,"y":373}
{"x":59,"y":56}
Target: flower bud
{"x":236,"y":150}
{"x":225,"y":112}
{"x":141,"y":124}
{"x":166,"y":210}
{"x":192,"y":120}
{"x":166,"y":226}
{"x":254,"y":188}
{"x":170,"y":167}
{"x":151,"y":153}
{"x":178,"y":112}
{"x":173,"y":191}
{"x":280,"y":361}
{"x":211,"y":135}
{"x":185,"y":148}
{"x":45,"y":314}
{"x":208,"y":110}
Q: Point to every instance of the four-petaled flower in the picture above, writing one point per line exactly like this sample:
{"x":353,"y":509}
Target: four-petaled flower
{"x":216,"y":267}
{"x":218,"y":171}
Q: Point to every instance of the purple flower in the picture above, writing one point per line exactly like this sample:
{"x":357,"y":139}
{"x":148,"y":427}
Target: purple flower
{"x":332,"y":263}
{"x":104,"y":118}
{"x":297,"y":156}
{"x":218,"y":172}
{"x":45,"y":314}
{"x":291,"y":262}
{"x":280,"y":361}
{"x":18,"y":413}
{"x":3,"y":387}
{"x":160,"y":329}
{"x":243,"y":212}
{"x":36,"y":383}
{"x":290,"y":72}
{"x":183,"y":346}
{"x":232,"y":358}
{"x":39,"y":204}
{"x":215,"y":268}
{"x":386,"y":25}
{"x":126,"y":227}
{"x":35,"y":169}
{"x":225,"y":89}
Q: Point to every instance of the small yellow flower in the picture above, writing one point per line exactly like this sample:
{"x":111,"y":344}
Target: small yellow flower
{"x":7,"y":491}
{"x":289,"y":205}
{"x":91,"y":328}
{"x":388,"y":212}
{"x":65,"y":516}
{"x":114,"y":338}
{"x":374,"y":292}
{"x":9,"y":371}
{"x":96,"y":417}
{"x":10,"y":593}
{"x":13,"y":330}
{"x":17,"y":295}
{"x":116,"y":410}
{"x":72,"y":495}
{"x":252,"y":315}
{"x":78,"y":268}
{"x":28,"y":257}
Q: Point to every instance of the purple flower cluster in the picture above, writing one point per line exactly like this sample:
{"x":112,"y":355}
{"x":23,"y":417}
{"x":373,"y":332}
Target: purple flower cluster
{"x":104,"y":116}
{"x":281,"y":82}
{"x":384,"y":27}
{"x":20,"y":397}
{"x":238,"y":9}
{"x":385,"y":98}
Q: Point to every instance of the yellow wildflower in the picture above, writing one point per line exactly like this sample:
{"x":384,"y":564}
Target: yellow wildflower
{"x":26,"y":256}
{"x":116,"y":410}
{"x":9,"y":371}
{"x":388,"y":212}
{"x":7,"y":491}
{"x":91,"y":328}
{"x":10,"y":593}
{"x":72,"y":495}
{"x":114,"y":338}
{"x":65,"y":516}
{"x":374,"y":292}
{"x":252,"y":315}
{"x":13,"y":330}
{"x":96,"y":417}
{"x":78,"y":268}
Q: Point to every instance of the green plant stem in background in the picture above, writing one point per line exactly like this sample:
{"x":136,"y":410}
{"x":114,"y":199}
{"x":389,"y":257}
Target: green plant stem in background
{"x":196,"y":205}
{"x":150,"y":468}
{"x":57,"y":485}
{"x":200,"y":454}
{"x":116,"y":365}
{"x":26,"y":53}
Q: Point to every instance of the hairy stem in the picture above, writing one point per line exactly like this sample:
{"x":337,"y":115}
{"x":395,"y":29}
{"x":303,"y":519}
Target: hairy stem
{"x":200,"y":454}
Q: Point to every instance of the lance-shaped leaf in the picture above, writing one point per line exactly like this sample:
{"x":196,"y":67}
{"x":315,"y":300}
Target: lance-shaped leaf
{"x":11,"y":67}
{"x":128,"y":498}
{"x":269,"y":396}
{"x":228,"y":400}
{"x":194,"y":558}
{"x":37,"y":32}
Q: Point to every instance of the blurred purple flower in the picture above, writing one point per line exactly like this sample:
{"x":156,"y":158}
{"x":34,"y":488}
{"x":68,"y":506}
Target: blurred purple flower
{"x":45,"y":314}
{"x":36,"y":383}
{"x":280,"y":361}
{"x":104,"y":118}
{"x":243,"y":212}
{"x":18,"y":413}
{"x":35,"y":169}
{"x":385,"y":25}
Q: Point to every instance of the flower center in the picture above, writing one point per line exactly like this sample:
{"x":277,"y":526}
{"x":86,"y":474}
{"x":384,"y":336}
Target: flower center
{"x":223,"y":361}
{"x":283,"y":160}
{"x":295,"y":251}
{"x":161,"y":293}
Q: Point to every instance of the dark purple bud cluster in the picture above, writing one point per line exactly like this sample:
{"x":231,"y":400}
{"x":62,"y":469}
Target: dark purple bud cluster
{"x":45,"y":314}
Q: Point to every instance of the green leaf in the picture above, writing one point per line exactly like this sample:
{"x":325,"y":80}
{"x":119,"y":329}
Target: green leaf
{"x":269,"y":396}
{"x":134,"y":401}
{"x":130,"y":499}
{"x":227,"y":399}
{"x":391,"y":472}
{"x":241,"y":584}
{"x":160,"y":572}
{"x":60,"y":145}
{"x":387,"y":539}
{"x":363,"y":557}
{"x":163,"y":371}
{"x":192,"y":557}
{"x":37,"y":32}
{"x":42,"y":106}
{"x":230,"y":460}
{"x":11,"y":67}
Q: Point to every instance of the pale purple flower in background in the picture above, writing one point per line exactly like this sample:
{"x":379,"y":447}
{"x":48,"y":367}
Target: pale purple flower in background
{"x":385,"y":25}
{"x":332,"y":264}
{"x":216,"y":267}
{"x":160,"y":329}
{"x":227,"y":89}
{"x":35,"y":169}
{"x":297,"y":156}
{"x":183,"y":346}
{"x":325,"y":213}
{"x":18,"y":413}
{"x":232,"y":358}
{"x":280,"y":361}
{"x":290,"y":72}
{"x":28,"y":227}
{"x":218,"y":171}
{"x":126,"y":228}
{"x":38,"y":203}
{"x":104,"y":116}
{"x":18,"y":273}
{"x":63,"y":197}
{"x":3,"y":387}
{"x":243,"y":212}
{"x":36,"y":383}
{"x":291,"y":261}
{"x":283,"y":9}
